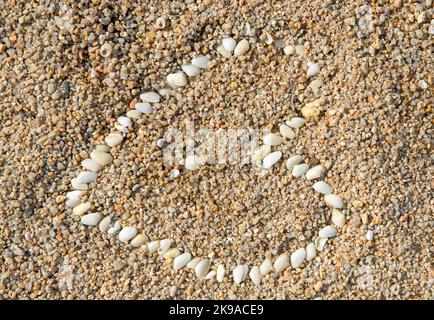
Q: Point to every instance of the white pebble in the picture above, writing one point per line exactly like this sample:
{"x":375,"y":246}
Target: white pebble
{"x":289,"y":50}
{"x":210,"y":275}
{"x":164,"y":246}
{"x":286,"y":131}
{"x":81,"y":208}
{"x":201,"y":269}
{"x":138,"y":240}
{"x":73,"y":198}
{"x":102,"y":147}
{"x":261,"y":152}
{"x":310,"y":251}
{"x":281,"y":263}
{"x":322,"y":187}
{"x":338,"y":218}
{"x":241,"y":48}
{"x":296,"y":122}
{"x":200,"y":61}
{"x":113,"y":139}
{"x":121,"y":128}
{"x":334,"y":200}
{"x":150,"y":96}
{"x":293,"y":161}
{"x":191,"y":163}
{"x":91,"y":165}
{"x":299,"y":169}
{"x":271,"y":159}
{"x":193,"y":263}
{"x":153,"y":246}
{"x":78,"y":186}
{"x":171,"y":253}
{"x":86,"y":177}
{"x":127,"y":233}
{"x":320,"y":243}
{"x":313,"y":70}
{"x":327,"y":232}
{"x":115,"y":228}
{"x":165,"y":91}
{"x":101,"y":157}
{"x":423,"y":84}
{"x":369,"y":235}
{"x":238,"y":274}
{"x":299,"y":49}
{"x":272,"y":139}
{"x":181,"y":261}
{"x":134,"y":114}
{"x":225,"y":53}
{"x":315,"y":172}
{"x":125,"y":121}
{"x":255,"y":275}
{"x":144,"y":107}
{"x":220,"y":272}
{"x":190,"y":70}
{"x":297,"y":257}
{"x":177,"y":79}
{"x":266,"y":267}
{"x":104,"y":224}
{"x":91,"y":219}
{"x":174,"y":173}
{"x":229,"y":44}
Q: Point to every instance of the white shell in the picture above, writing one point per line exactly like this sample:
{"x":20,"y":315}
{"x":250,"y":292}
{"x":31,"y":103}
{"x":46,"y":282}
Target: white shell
{"x":104,"y":224}
{"x":299,"y":49}
{"x":315,"y":172}
{"x":369,"y":235}
{"x":77,"y":186}
{"x":289,"y":50}
{"x":241,"y":48}
{"x":177,"y":79}
{"x":73,"y":198}
{"x":101,"y":157}
{"x":297,"y":257}
{"x":115,"y":228}
{"x":220,"y":272}
{"x":322,"y":187}
{"x":81,"y":208}
{"x":327,"y":232}
{"x":271,"y":159}
{"x":299,"y":169}
{"x":266,"y":267}
{"x":238,"y":274}
{"x":127,"y":233}
{"x":91,"y":219}
{"x":281,"y":263}
{"x":225,"y":53}
{"x":113,"y":139}
{"x":320,"y":243}
{"x":121,"y":128}
{"x":125,"y":121}
{"x":102,"y":147}
{"x":272,"y":139}
{"x":193,"y":263}
{"x":286,"y":131}
{"x":201,"y":269}
{"x":138,"y":240}
{"x":261,"y":152}
{"x":91,"y":165}
{"x":150,"y":96}
{"x":144,"y":107}
{"x":310,"y":251}
{"x":164,"y":246}
{"x":134,"y":114}
{"x":313,"y":70}
{"x":255,"y":275}
{"x":153,"y":246}
{"x":86,"y":177}
{"x":171,"y":253}
{"x":210,"y":275}
{"x":334,"y":200}
{"x":338,"y":218}
{"x":191,"y":163}
{"x":190,"y":70}
{"x":200,"y":61}
{"x":293,"y":161}
{"x":229,"y":44}
{"x":296,"y":122}
{"x":181,"y":261}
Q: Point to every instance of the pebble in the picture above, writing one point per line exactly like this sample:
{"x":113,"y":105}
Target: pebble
{"x":369,"y":235}
{"x":164,"y":246}
{"x":261,"y":152}
{"x":121,"y":128}
{"x":327,"y":232}
{"x":86,"y":177}
{"x":281,"y":263}
{"x":134,"y":114}
{"x":229,"y":44}
{"x":271,"y":159}
{"x":315,"y":172}
{"x":91,"y":219}
{"x":190,"y":70}
{"x":91,"y":165}
{"x":225,"y":53}
{"x":171,"y":253}
{"x":289,"y":50}
{"x":272,"y":139}
{"x":299,"y":49}
{"x":138,"y":240}
{"x":241,"y":48}
{"x":338,"y":218}
{"x":102,"y":147}
{"x":293,"y":161}
{"x":220,"y":272}
{"x":299,"y":169}
{"x":266,"y":267}
{"x":177,"y":79}
{"x":181,"y":261}
{"x":313,"y":70}
{"x":73,"y":198}
{"x":174,"y":173}
{"x":320,"y":243}
{"x":104,"y":224}
{"x":191,"y":163}
{"x":115,"y":228}
{"x":200,"y":61}
{"x":193,"y":263}
{"x":114,"y":139}
{"x":310,"y":251}
{"x":201,"y":269}
{"x":295,"y":122}
{"x":150,"y":96}
{"x":334,"y":201}
{"x":125,"y":121}
{"x":286,"y":131}
{"x":101,"y":157}
{"x":310,"y":111}
{"x":255,"y":275}
{"x":127,"y":233}
{"x":297,"y":257}
{"x":153,"y":246}
{"x":78,"y":186}
{"x":322,"y":187}
{"x":210,"y":275}
{"x":81,"y":208}
{"x":238,"y":274}
{"x":144,"y":107}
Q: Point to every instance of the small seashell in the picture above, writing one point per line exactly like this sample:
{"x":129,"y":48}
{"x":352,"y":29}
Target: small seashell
{"x":295,"y":122}
{"x":210,"y":275}
{"x":104,"y":224}
{"x":164,"y":91}
{"x":121,"y":128}
{"x":191,"y":162}
{"x":369,"y":235}
{"x":101,"y":157}
{"x":268,"y":38}
{"x":144,"y":107}
{"x":153,"y":246}
{"x":315,"y":172}
{"x":86,"y":177}
{"x":150,"y":96}
{"x":320,"y":243}
{"x":200,"y":61}
{"x":102,"y":147}
{"x":327,"y":232}
{"x":241,"y":48}
{"x":78,"y":186}
{"x":322,"y":187}
{"x":299,"y":49}
{"x":261,"y":152}
{"x":91,"y":165}
{"x":255,"y":275}
{"x":174,"y":173}
{"x":229,"y":44}
{"x":177,"y":79}
{"x":81,"y":208}
{"x":164,"y":246}
{"x":190,"y":70}
{"x":127,"y":233}
{"x":313,"y":70}
{"x":181,"y":261}
{"x":310,"y":251}
{"x":225,"y":53}
{"x":73,"y":198}
{"x":91,"y":219}
{"x":297,"y":257}
{"x":220,"y":272}
{"x":272,"y":139}
{"x":338,"y":218}
{"x":201,"y":269}
{"x":238,"y":274}
{"x":105,"y":50}
{"x":281,"y":263}
{"x":115,"y":228}
{"x":160,"y":23}
{"x":289,"y":50}
{"x":286,"y":131}
{"x":125,"y":121}
{"x":266,"y":267}
{"x":138,"y":240}
{"x":299,"y":169}
{"x":334,"y":201}
{"x":171,"y":253}
{"x":271,"y":159}
{"x":113,"y":139}
{"x":193,"y":263}
{"x":293,"y":161}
